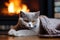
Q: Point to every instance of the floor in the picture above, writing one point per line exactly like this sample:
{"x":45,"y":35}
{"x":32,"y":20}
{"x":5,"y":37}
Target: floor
{"x":6,"y":37}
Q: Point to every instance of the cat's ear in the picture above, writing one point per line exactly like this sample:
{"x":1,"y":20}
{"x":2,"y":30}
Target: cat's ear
{"x":37,"y":14}
{"x":22,"y":14}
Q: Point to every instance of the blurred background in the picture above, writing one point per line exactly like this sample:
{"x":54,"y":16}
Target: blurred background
{"x":57,"y":8}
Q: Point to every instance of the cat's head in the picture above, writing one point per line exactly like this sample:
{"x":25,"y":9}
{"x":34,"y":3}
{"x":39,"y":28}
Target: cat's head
{"x":29,"y":19}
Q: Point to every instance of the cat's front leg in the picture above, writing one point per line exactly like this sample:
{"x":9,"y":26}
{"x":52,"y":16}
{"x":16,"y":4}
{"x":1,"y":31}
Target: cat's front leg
{"x":25,"y":33}
{"x":11,"y":32}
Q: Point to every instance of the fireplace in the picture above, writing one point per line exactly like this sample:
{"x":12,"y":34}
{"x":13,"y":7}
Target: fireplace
{"x":10,"y":9}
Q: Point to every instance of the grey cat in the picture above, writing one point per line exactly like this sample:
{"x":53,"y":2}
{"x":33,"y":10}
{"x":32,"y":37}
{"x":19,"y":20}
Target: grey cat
{"x":29,"y":22}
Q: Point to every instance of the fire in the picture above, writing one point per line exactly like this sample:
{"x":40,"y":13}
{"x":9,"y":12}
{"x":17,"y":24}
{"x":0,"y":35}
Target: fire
{"x":24,"y":8}
{"x":11,"y":8}
{"x":15,"y":6}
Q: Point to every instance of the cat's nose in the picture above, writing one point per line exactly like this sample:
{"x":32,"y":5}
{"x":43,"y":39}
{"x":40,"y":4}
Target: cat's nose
{"x":30,"y":25}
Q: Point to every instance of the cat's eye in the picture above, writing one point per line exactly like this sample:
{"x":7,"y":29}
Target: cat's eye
{"x":26,"y":20}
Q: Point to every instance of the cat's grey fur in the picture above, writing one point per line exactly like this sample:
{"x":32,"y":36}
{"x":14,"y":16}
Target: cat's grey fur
{"x":29,"y":20}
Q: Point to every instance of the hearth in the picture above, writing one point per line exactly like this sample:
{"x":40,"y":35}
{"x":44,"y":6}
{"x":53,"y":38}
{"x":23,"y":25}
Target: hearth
{"x":10,"y":9}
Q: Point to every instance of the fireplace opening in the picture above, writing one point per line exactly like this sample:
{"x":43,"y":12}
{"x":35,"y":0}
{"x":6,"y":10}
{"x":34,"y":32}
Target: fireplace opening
{"x":9,"y":10}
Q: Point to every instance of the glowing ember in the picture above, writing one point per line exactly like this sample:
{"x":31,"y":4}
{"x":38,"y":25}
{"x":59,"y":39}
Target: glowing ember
{"x":15,"y":6}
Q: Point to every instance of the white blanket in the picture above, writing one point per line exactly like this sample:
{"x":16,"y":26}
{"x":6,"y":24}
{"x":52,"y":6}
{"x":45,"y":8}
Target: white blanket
{"x":50,"y":24}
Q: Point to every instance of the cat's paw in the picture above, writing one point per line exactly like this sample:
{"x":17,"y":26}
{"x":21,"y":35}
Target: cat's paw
{"x":11,"y":32}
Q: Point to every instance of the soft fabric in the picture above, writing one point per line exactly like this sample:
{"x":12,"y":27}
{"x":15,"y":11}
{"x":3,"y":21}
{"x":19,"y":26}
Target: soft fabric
{"x":50,"y":24}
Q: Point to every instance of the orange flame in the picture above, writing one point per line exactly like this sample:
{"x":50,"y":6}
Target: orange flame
{"x":11,"y":8}
{"x":15,"y":6}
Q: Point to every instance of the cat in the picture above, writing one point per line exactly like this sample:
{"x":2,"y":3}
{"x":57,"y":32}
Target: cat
{"x":28,"y":24}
